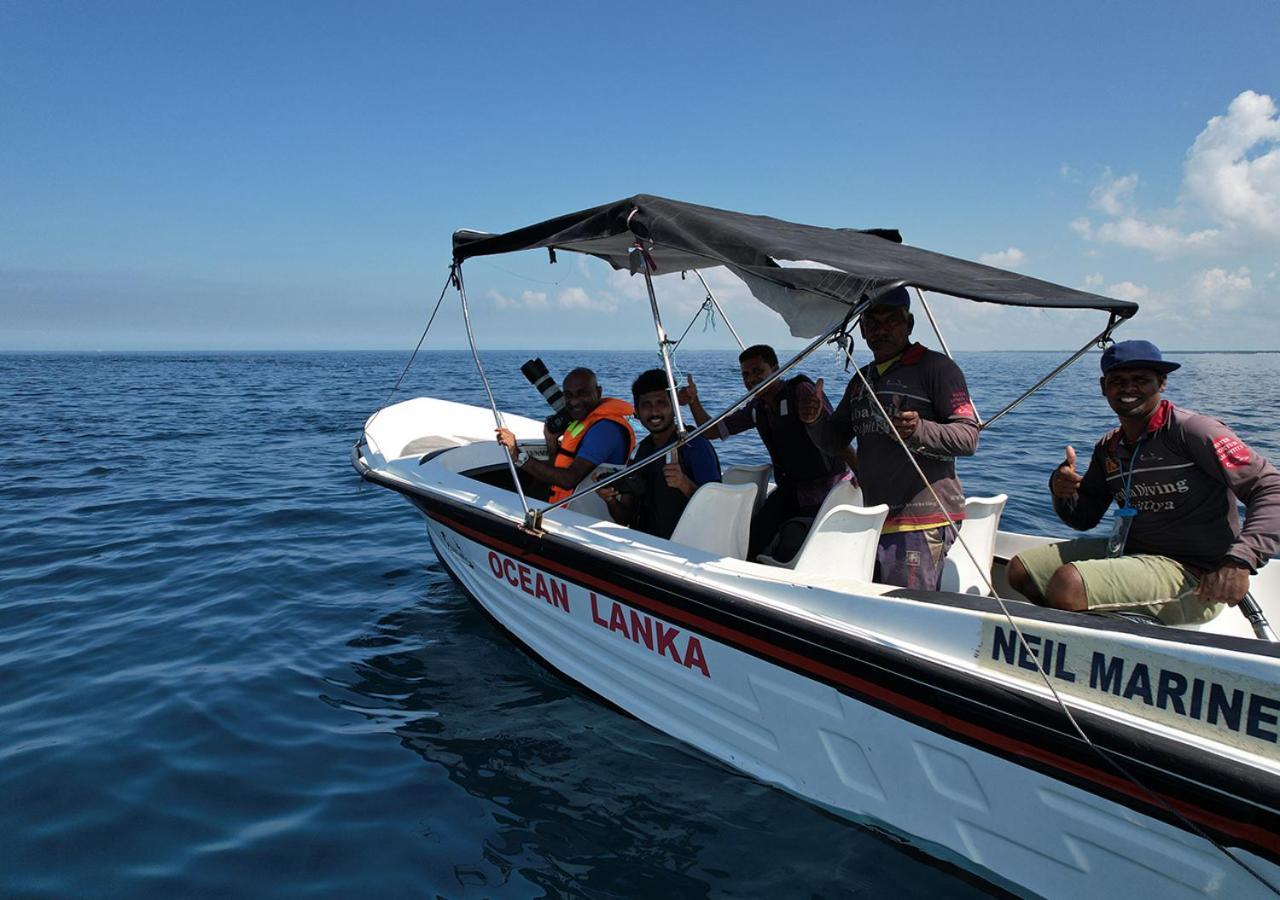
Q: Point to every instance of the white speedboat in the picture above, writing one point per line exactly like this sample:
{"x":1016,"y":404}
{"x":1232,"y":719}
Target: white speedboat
{"x":1052,"y":753}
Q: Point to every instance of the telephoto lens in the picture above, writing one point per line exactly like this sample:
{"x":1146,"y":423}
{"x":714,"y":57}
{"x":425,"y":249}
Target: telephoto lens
{"x":535,"y":370}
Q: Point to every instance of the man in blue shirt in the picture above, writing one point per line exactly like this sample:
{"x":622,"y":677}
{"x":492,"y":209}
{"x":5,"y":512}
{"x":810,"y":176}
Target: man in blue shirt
{"x":652,"y":499}
{"x":599,"y":433}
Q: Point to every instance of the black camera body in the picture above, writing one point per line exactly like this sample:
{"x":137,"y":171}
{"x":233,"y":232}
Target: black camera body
{"x":557,"y":422}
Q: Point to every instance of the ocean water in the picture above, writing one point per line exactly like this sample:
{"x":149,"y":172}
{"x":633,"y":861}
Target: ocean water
{"x":230,"y":668}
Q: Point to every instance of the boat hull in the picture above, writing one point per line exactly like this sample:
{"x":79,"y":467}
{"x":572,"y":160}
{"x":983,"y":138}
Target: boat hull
{"x":973,"y":774}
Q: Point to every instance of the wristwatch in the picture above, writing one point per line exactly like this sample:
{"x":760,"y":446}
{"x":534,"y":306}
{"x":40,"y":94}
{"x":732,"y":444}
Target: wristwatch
{"x":522,"y":457}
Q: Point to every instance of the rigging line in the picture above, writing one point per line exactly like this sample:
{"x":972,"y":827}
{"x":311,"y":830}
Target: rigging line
{"x":706,"y":304}
{"x":444,"y":290}
{"x":1106,"y":757}
{"x":943,"y":341}
{"x":485,"y":262}
{"x":719,"y":309}
{"x":493,"y":404}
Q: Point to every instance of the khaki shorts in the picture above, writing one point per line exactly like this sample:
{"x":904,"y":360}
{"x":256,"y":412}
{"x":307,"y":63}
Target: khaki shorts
{"x":1155,"y":585}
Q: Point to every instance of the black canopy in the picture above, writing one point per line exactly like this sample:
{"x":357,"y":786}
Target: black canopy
{"x":681,"y":236}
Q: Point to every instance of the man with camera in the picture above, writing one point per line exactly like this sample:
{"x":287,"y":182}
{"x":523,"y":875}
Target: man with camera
{"x":652,"y":499}
{"x":597,"y":432}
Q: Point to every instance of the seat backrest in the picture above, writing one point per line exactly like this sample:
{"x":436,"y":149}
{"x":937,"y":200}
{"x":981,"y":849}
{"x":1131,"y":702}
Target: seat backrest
{"x":591,"y":504}
{"x":978,"y":531}
{"x":842,"y":542}
{"x":757,"y":475}
{"x":845,"y":493}
{"x":717,"y":519}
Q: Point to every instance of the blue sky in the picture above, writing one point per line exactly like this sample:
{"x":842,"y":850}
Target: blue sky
{"x":287,"y":175}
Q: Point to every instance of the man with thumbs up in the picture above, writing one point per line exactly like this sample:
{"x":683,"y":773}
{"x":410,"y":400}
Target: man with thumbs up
{"x":927,"y":401}
{"x":803,"y":474}
{"x":652,"y":499}
{"x":1177,"y":550}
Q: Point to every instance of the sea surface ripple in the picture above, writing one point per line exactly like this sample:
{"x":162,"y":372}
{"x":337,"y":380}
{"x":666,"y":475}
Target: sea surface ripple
{"x":230,"y":668}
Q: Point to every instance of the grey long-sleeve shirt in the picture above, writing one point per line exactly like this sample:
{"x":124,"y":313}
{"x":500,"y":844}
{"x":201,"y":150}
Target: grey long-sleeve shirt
{"x":1189,"y":471}
{"x":922,"y":381}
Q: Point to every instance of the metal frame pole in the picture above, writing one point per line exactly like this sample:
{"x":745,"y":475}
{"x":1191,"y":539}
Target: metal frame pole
{"x":716,"y":304}
{"x":943,"y":341}
{"x":493,"y":404}
{"x":640,"y":260}
{"x":844,"y":323}
{"x":1096,"y":339}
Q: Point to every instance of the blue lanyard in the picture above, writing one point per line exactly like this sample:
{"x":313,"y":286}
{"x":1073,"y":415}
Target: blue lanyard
{"x":1128,"y":478}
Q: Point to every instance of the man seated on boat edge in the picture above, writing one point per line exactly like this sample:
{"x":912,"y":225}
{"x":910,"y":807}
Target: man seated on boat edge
{"x":653,"y":498}
{"x":1184,"y":553}
{"x":803,"y":474}
{"x":925,"y":394}
{"x":598,"y":433}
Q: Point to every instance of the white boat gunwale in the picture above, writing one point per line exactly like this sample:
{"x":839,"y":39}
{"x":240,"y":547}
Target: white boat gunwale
{"x":1020,"y":714}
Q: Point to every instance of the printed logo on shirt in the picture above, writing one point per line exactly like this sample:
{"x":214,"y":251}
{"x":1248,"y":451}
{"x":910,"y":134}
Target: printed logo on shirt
{"x":1113,"y":465}
{"x":1231,"y":452}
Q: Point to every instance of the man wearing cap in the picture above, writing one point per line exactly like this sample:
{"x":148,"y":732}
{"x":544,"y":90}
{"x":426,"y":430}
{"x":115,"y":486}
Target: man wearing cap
{"x":1177,"y":550}
{"x":927,"y":400}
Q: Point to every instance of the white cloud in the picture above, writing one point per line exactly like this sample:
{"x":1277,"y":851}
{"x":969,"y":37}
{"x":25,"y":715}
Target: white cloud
{"x":526,"y":300}
{"x":1219,"y":289}
{"x":1231,"y":177}
{"x":577,"y":298}
{"x":1161,"y":240}
{"x":1114,"y":196}
{"x":1007,"y":259}
{"x":1127,"y":290}
{"x":1233,"y":168}
{"x":1093,"y":281}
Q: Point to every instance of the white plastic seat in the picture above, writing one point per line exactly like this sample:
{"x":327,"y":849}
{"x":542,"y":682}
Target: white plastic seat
{"x":843,"y":493}
{"x":717,"y":519}
{"x":981,"y":522}
{"x":591,"y":504}
{"x":757,"y":475}
{"x":842,"y":542}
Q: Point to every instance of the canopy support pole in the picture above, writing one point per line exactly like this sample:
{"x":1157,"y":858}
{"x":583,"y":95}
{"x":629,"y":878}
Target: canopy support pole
{"x":843,"y":324}
{"x":532,"y":519}
{"x":934,"y":322}
{"x":924,"y":304}
{"x":1257,"y":618}
{"x":640,"y":260}
{"x":716,"y":303}
{"x":1097,"y":340}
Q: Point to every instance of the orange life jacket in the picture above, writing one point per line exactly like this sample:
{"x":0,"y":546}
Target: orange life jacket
{"x":610,"y":410}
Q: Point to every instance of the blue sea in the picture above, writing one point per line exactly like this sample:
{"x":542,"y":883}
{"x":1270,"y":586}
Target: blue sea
{"x":230,"y":668}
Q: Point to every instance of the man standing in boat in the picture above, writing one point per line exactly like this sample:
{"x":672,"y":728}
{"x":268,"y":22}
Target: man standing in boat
{"x":925,"y":395}
{"x":803,"y":473}
{"x":652,"y":499}
{"x":1177,"y":550}
{"x":599,"y":433}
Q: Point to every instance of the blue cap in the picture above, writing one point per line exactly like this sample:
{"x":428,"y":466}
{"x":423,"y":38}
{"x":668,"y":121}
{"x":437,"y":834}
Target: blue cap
{"x":1136,"y":355}
{"x":899,"y":296}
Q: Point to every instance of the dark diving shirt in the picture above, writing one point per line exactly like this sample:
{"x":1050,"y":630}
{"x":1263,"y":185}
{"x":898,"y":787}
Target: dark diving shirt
{"x":1189,"y":471}
{"x":923,"y":381}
